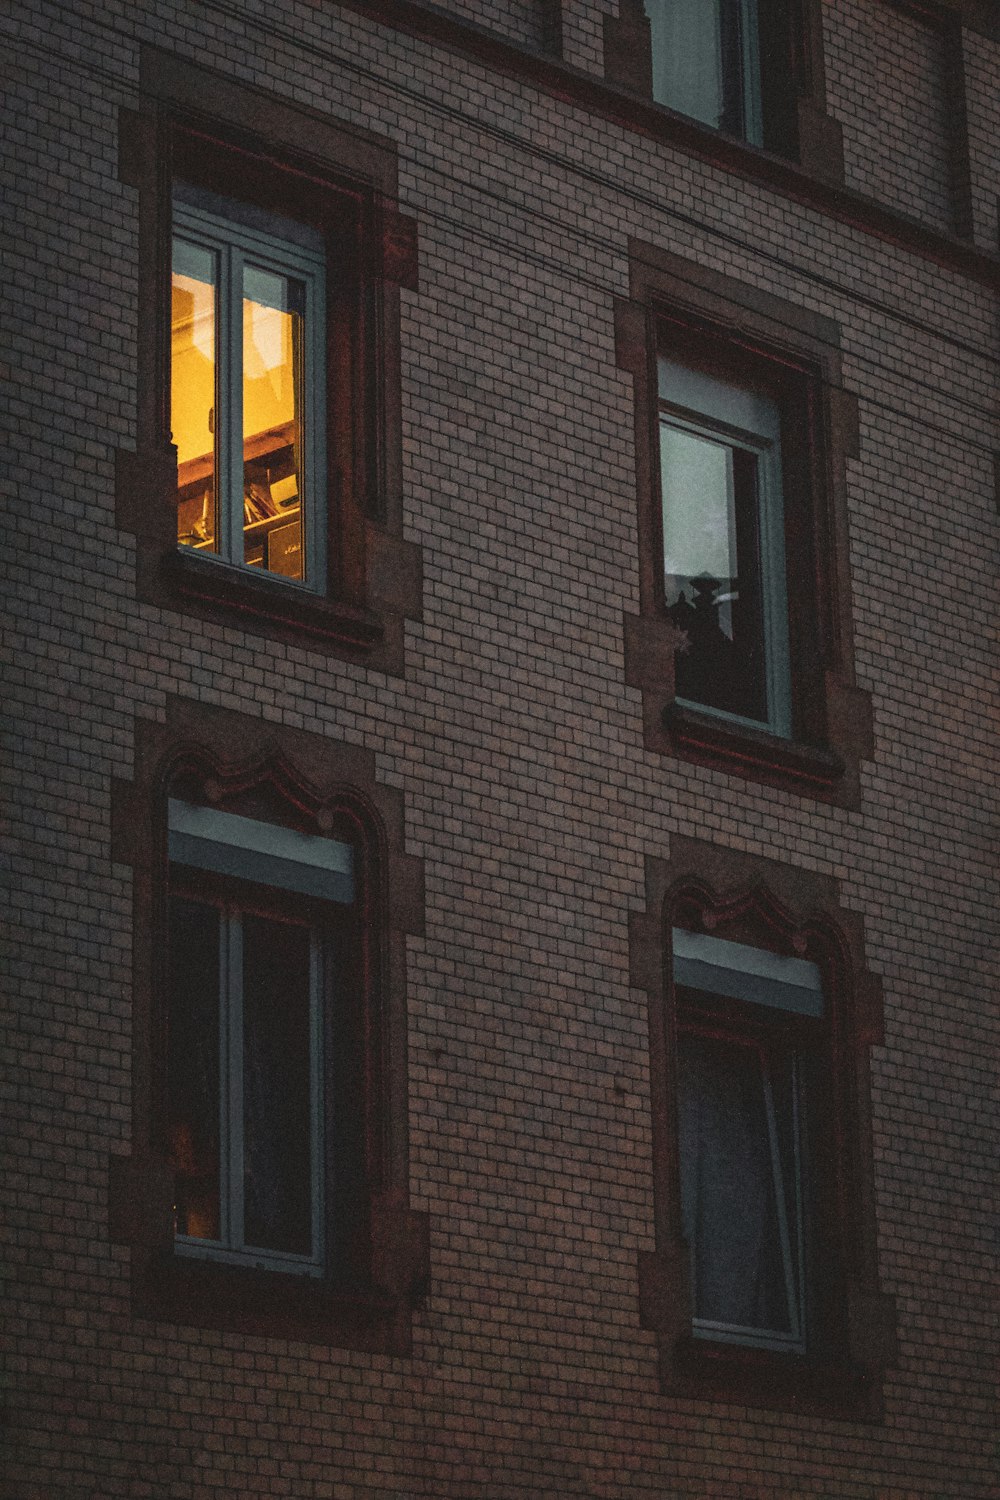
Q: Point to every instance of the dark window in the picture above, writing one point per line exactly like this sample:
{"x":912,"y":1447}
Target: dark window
{"x":763,"y":1286}
{"x":749,"y":1024}
{"x":256,"y":977}
{"x":267,"y":1186}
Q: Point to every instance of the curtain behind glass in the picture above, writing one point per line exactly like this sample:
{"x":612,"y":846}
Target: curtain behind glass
{"x":733,"y":1169}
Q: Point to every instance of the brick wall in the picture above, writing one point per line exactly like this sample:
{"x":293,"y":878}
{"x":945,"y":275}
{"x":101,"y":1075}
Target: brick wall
{"x":528,"y":794}
{"x":885,"y":84}
{"x":981,"y":57}
{"x":523,"y":21}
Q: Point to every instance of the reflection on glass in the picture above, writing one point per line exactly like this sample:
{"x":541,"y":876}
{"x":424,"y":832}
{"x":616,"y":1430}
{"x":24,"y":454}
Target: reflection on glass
{"x":699,"y":524}
{"x":276,"y":1086}
{"x":741,"y":1190}
{"x":193,"y":324}
{"x":273,"y":326}
{"x":193,"y":1069}
{"x":712,"y":570}
{"x":702,"y":53}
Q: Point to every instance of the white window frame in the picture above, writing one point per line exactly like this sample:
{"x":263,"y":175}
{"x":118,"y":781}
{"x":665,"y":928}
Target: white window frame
{"x":231,"y":845}
{"x":736,"y":418}
{"x":231,"y":1246}
{"x":238,"y":235}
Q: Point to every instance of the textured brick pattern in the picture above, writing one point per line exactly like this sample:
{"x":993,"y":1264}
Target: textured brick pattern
{"x":884,"y":84}
{"x":522,"y":21}
{"x":583,"y":33}
{"x":982,"y":58}
{"x":528,"y":793}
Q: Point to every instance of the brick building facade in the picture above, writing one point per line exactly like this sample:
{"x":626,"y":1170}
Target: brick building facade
{"x":532,"y":878}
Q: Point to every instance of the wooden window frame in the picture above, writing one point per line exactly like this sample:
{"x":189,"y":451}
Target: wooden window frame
{"x":793,"y":356}
{"x":794,"y":913}
{"x":376,"y":1264}
{"x":243,"y":144}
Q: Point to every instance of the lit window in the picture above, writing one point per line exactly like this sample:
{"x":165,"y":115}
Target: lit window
{"x":706,"y":62}
{"x":723,"y":546}
{"x":247,"y":386}
{"x":749,"y":1022}
{"x":252,"y":964}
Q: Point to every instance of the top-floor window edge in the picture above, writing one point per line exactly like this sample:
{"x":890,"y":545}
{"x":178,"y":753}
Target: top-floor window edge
{"x":633,"y":112}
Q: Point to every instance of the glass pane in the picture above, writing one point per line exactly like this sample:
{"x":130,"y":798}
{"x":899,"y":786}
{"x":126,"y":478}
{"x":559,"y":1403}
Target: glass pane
{"x":273,"y":373}
{"x":700,"y":51}
{"x":711,"y":563}
{"x":687,"y":61}
{"x":277,"y":1041}
{"x":740,"y":1188}
{"x":193,"y":1066}
{"x":193,"y":333}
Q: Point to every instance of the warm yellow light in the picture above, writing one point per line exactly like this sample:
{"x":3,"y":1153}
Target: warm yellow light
{"x":192,"y":380}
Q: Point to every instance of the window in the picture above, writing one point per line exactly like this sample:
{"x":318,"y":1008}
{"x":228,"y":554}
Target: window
{"x":752,"y":69}
{"x":266,"y":1187}
{"x":749,"y":1024}
{"x":247,"y":386}
{"x":706,"y":62}
{"x":265,"y":487}
{"x":723,"y":546}
{"x":763,"y":1286}
{"x":743,"y":648}
{"x":252,"y":969}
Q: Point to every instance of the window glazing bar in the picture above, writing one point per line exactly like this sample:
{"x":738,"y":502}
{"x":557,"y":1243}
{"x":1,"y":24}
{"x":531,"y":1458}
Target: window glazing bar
{"x":318,"y":979}
{"x":234,"y":1074}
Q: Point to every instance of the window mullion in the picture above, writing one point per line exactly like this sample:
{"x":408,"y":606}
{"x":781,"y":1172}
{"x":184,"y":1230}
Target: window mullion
{"x":753,"y":123}
{"x":232,"y":382}
{"x":225,"y":1112}
{"x":318,"y":979}
{"x":314,"y":438}
{"x":800,"y":1150}
{"x":234,"y":1013}
{"x":770,"y":502}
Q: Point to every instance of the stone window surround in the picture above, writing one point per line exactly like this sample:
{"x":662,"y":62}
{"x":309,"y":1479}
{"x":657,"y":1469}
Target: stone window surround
{"x":380,"y":1269}
{"x":751,"y":899}
{"x":798,"y":350}
{"x":234,"y":139}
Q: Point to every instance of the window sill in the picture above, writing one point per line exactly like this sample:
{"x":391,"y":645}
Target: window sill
{"x":763,"y":1378}
{"x":366,"y":1306}
{"x":269,"y":1304}
{"x":233,"y":591}
{"x":754,"y":753}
